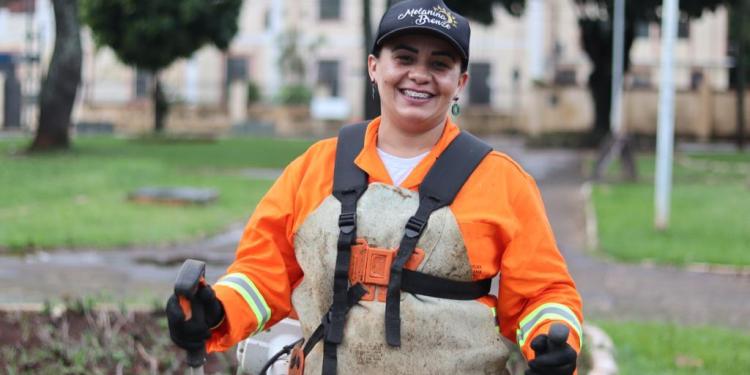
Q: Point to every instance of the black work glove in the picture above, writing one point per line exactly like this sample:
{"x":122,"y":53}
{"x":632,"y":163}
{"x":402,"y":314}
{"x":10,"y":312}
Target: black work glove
{"x":207,"y":313}
{"x":554,"y":356}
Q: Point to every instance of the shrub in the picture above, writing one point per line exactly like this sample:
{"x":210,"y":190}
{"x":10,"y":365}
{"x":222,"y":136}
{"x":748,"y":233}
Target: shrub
{"x":295,"y":94}
{"x":253,"y":93}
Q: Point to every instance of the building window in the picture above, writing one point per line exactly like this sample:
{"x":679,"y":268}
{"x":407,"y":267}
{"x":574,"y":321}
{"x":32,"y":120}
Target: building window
{"x":328,"y":76}
{"x":683,"y":28}
{"x":479,"y":86}
{"x":330,"y":9}
{"x":565,"y":76}
{"x":696,"y":79}
{"x":236,"y":69}
{"x":641,"y":78}
{"x":142,"y":83}
{"x":642,"y":29}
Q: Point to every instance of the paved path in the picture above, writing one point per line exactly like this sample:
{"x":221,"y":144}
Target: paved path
{"x":625,"y":291}
{"x":610,"y":290}
{"x":134,"y":276}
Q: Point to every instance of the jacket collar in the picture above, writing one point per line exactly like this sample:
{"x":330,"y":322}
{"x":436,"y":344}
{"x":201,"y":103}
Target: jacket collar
{"x":369,"y":161}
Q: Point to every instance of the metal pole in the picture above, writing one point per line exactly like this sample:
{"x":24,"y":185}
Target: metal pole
{"x":274,"y":79}
{"x":665,"y":135}
{"x":618,"y":46}
{"x":740,"y":69}
{"x":26,"y":91}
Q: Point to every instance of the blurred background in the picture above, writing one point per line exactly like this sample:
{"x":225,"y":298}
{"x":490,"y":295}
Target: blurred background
{"x":136,"y":134}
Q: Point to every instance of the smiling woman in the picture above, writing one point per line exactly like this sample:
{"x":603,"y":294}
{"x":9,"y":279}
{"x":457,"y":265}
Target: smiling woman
{"x":391,"y":235}
{"x":418,"y":65}
{"x":417,"y":76}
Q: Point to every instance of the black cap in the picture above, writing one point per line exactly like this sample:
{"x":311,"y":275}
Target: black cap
{"x":425,"y":15}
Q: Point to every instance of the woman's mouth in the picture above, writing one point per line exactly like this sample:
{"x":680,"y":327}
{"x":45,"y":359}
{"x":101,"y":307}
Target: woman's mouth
{"x":416,"y":95}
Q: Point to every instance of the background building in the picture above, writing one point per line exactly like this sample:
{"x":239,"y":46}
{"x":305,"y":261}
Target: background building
{"x":517,"y":65}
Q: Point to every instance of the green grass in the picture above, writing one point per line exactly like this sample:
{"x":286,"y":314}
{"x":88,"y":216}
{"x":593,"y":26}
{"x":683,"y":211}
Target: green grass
{"x":663,"y":349}
{"x":79,"y":198}
{"x":709,"y":221}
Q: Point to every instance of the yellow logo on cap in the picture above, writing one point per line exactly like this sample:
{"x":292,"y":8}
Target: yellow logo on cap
{"x":438,"y":15}
{"x":449,"y":18}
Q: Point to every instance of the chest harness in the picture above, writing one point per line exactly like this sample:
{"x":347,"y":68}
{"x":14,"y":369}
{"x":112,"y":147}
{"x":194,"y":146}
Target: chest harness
{"x":451,"y":170}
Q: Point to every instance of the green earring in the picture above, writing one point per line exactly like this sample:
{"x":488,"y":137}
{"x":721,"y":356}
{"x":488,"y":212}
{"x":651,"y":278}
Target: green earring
{"x":455,"y":108}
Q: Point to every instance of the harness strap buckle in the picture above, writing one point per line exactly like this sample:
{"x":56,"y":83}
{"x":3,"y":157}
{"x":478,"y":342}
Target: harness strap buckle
{"x":371,"y":267}
{"x":415,"y":226}
{"x":347,"y":221}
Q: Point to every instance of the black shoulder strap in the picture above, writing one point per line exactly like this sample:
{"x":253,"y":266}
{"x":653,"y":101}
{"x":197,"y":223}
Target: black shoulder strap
{"x":349,"y":183}
{"x":346,"y":175}
{"x":453,"y":168}
{"x":441,"y":185}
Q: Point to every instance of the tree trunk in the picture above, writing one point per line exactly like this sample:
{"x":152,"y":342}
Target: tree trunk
{"x":59,"y":88}
{"x":372,"y":100}
{"x":597,"y":42}
{"x":161,"y":106}
{"x":596,"y":38}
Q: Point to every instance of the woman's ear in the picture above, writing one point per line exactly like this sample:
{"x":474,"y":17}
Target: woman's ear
{"x":463,"y":79}
{"x":372,"y":65}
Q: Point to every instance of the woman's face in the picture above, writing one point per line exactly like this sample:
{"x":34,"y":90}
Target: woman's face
{"x":417,"y":77}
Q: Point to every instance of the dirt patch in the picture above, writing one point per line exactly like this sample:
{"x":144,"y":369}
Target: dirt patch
{"x":85,"y":341}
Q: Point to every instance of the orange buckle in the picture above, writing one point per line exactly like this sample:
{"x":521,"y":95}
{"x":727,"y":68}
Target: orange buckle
{"x":371,"y":267}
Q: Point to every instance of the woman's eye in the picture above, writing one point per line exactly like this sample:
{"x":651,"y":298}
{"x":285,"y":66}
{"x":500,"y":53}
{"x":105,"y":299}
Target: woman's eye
{"x":404,"y":58}
{"x":440,"y":65}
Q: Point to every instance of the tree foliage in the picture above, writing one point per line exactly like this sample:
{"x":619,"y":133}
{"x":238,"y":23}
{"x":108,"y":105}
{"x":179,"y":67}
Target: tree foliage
{"x":152,"y":34}
{"x":481,"y":10}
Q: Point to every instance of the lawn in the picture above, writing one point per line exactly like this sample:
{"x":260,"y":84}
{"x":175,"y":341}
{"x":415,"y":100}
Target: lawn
{"x":653,"y":348}
{"x":710,"y":213}
{"x":78,"y":198}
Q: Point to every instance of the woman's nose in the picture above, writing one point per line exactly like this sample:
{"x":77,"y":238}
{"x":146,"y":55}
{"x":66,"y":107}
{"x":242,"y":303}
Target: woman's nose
{"x":419,"y":74}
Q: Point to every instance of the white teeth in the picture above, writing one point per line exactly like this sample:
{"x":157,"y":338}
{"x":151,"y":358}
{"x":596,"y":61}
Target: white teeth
{"x":416,"y":94}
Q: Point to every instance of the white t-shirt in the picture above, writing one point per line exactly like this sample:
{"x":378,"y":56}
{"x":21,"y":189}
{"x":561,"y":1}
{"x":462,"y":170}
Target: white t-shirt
{"x":399,"y":168}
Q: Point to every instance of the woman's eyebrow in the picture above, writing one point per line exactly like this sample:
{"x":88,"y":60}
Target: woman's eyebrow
{"x":406,"y":47}
{"x":412,"y":49}
{"x":449,"y":54}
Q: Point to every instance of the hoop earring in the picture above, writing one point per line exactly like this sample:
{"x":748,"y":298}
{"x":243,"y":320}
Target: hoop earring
{"x":374,"y":87}
{"x":455,"y":108}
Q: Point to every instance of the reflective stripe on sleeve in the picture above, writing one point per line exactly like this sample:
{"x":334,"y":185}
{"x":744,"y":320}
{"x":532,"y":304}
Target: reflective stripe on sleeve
{"x":246,"y":288}
{"x":546,"y":312}
{"x":494,"y":317}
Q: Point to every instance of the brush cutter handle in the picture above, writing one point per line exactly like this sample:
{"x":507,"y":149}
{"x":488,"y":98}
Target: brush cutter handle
{"x":192,"y":276}
{"x":558,"y":335}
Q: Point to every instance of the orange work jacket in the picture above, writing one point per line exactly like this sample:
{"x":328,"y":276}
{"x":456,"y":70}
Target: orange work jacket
{"x":500,"y":214}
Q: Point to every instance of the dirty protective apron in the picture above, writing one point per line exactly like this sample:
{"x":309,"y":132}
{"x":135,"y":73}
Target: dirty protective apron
{"x":446,"y":334}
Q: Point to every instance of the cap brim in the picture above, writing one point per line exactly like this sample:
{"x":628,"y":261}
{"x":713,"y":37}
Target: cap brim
{"x":402,"y":30}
